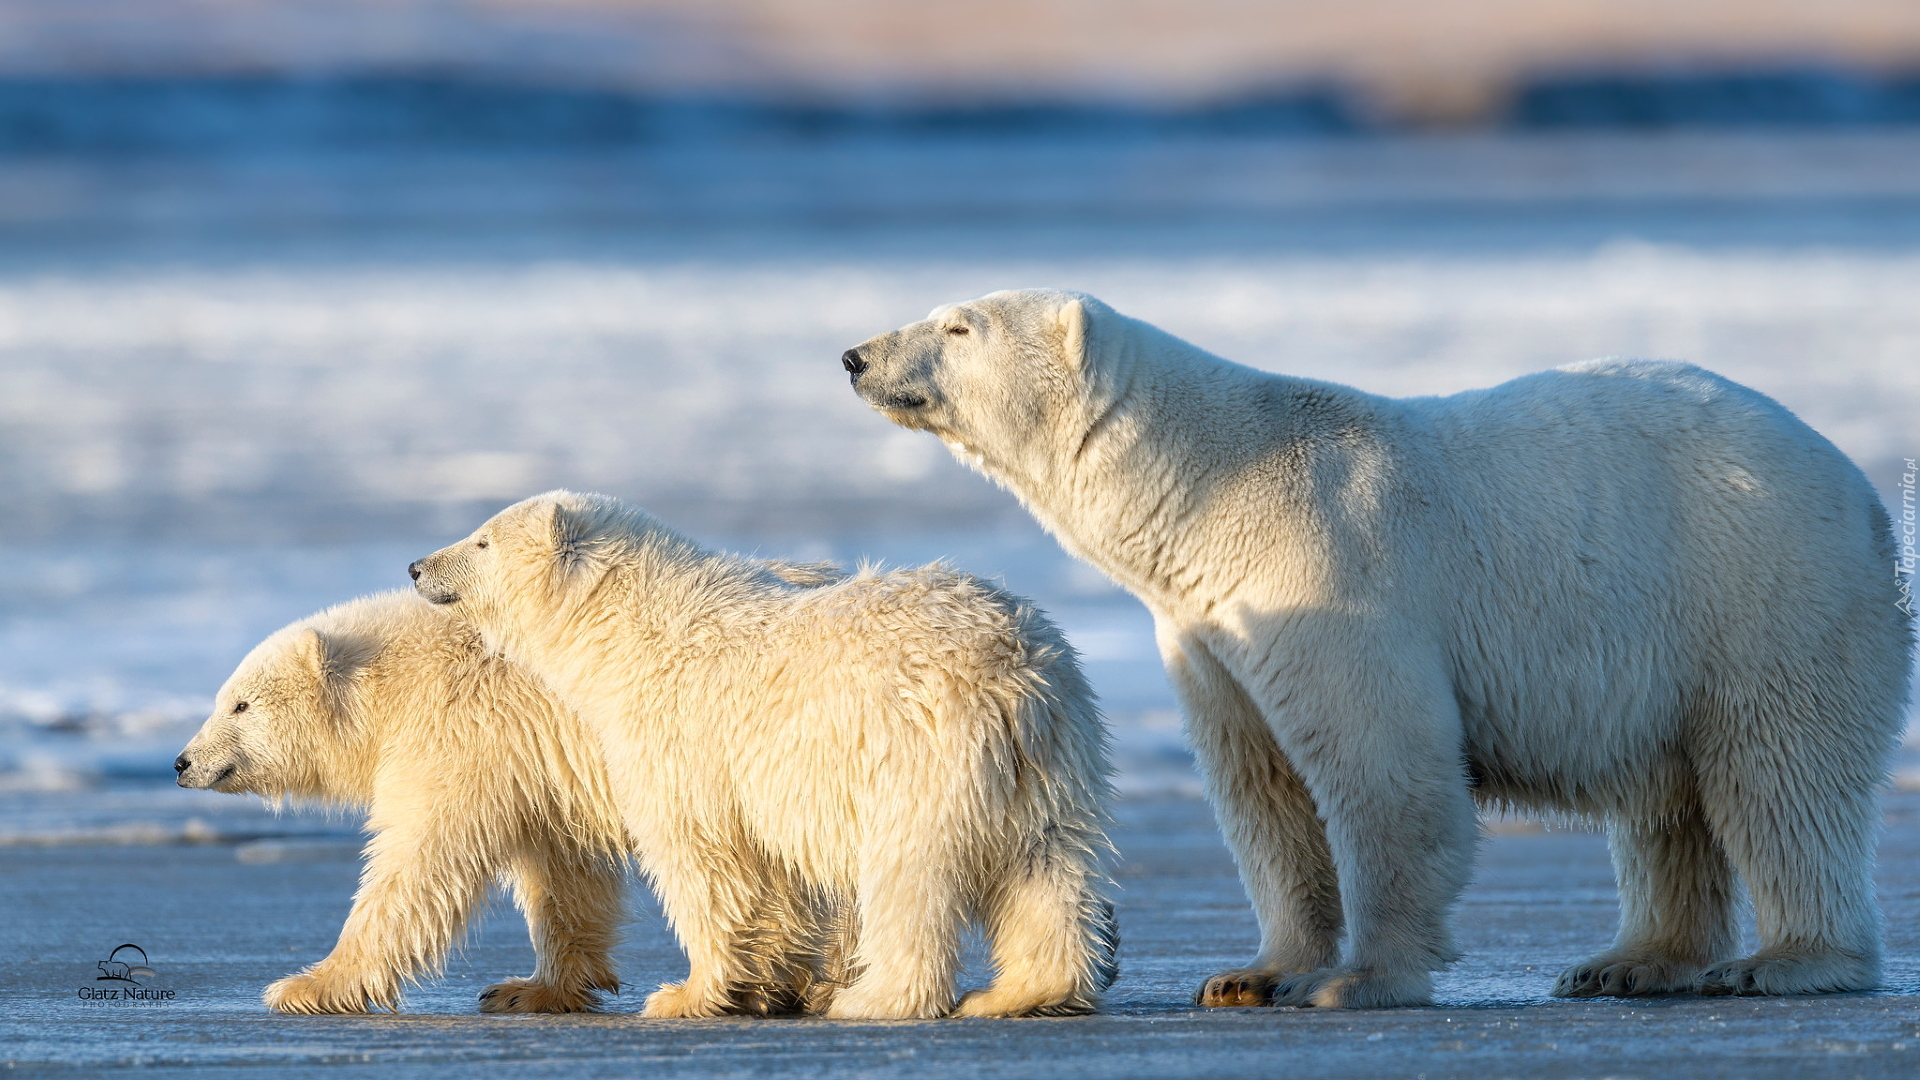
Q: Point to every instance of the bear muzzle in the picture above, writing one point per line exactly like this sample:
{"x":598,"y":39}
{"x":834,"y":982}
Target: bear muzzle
{"x":436,"y":595}
{"x":891,"y":398}
{"x":189,"y":773}
{"x":426,"y":586}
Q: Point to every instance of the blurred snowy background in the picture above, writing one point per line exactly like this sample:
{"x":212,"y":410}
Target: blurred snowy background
{"x":292,"y":293}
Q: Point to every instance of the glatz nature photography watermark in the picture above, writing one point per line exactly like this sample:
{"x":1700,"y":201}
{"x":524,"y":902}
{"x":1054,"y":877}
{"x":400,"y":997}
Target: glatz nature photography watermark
{"x":123,"y":978}
{"x":1903,"y":528}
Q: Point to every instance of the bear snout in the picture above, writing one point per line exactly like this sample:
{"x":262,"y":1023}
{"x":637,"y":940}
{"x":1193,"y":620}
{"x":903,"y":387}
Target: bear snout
{"x":854,"y":363}
{"x":200,"y":773}
{"x":424,"y":583}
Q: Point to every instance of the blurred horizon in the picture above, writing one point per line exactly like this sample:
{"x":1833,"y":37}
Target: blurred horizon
{"x":629,"y":68}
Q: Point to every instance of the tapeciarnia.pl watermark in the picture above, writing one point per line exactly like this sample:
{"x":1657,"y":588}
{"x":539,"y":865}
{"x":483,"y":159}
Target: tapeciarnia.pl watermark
{"x":1903,"y":528}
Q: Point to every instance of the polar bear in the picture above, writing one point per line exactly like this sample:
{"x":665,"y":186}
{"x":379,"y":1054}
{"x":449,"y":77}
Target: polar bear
{"x":1624,"y":589}
{"x":915,"y":747}
{"x":469,"y":769}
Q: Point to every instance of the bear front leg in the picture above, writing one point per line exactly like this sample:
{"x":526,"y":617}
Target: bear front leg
{"x":910,"y":914}
{"x":1270,"y":825}
{"x":573,"y":901}
{"x":909,"y":902}
{"x":1372,"y":728}
{"x":711,"y":898}
{"x":417,"y":890}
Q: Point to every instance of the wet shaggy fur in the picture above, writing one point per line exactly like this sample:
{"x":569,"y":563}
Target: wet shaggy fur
{"x":469,"y":771}
{"x":877,"y":762}
{"x":1626,"y":589}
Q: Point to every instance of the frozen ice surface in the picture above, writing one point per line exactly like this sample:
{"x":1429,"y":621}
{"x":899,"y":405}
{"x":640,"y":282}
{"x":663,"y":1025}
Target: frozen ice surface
{"x":219,"y":920}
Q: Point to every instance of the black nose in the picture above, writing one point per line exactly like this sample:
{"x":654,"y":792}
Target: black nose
{"x":413,"y":569}
{"x":181,"y":764}
{"x":852,"y":362}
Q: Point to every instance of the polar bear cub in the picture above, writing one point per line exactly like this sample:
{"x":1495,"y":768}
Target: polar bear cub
{"x":914,"y":747}
{"x":1627,"y":589}
{"x":469,"y":770}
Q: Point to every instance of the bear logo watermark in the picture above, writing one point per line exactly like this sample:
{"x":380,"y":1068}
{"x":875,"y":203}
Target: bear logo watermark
{"x":1903,"y":528}
{"x":115,"y":969}
{"x":123,"y":971}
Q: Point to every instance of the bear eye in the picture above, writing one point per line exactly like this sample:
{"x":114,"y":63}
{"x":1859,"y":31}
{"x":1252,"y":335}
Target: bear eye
{"x":479,"y":543}
{"x":959,"y":331}
{"x":240,"y":706}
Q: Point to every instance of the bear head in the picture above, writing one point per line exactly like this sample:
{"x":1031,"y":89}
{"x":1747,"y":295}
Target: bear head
{"x":534,"y":559}
{"x":281,"y":725}
{"x":1008,"y":381}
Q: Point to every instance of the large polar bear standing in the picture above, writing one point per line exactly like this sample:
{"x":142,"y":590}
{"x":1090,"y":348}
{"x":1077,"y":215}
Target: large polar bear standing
{"x":916,"y":747}
{"x":1626,"y":589}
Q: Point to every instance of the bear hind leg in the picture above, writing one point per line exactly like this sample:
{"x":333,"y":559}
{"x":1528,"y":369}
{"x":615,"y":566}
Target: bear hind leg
{"x":1795,"y":805}
{"x":790,"y":959}
{"x":1054,"y":940}
{"x":574,"y":904}
{"x":1677,"y":900}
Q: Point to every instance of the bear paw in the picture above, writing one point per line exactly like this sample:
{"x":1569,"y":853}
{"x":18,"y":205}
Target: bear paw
{"x":1002,"y":1002}
{"x":1354,"y":988}
{"x":528,"y":996}
{"x":1788,"y":973}
{"x":673,"y":1001}
{"x":771,"y":999}
{"x":316,"y":992}
{"x":1626,"y":975}
{"x":883,"y":1003}
{"x":1239,"y":989}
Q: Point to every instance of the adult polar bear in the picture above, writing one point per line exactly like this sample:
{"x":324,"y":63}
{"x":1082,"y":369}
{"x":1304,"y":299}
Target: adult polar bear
{"x":1632,"y":590}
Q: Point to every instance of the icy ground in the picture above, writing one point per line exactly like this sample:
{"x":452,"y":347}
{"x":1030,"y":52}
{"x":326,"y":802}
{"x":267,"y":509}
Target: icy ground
{"x":221,"y":917}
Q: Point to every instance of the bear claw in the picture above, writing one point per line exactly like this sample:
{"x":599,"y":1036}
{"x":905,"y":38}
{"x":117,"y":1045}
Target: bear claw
{"x":1625,"y":977}
{"x":1354,"y":988}
{"x":1779,"y":973}
{"x":1236,"y":990}
{"x":527,"y":996}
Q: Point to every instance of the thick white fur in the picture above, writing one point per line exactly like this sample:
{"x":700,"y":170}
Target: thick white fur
{"x":1625,"y":589}
{"x":880,"y":760}
{"x":469,"y":770}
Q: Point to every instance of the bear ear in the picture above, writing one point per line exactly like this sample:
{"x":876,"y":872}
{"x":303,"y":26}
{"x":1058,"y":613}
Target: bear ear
{"x":310,"y":647}
{"x":331,"y":657}
{"x":1072,"y":320}
{"x":552,"y":520}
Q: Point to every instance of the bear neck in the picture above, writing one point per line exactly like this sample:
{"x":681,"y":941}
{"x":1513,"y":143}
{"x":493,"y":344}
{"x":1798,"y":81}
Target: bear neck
{"x":1154,"y":457}
{"x":665,"y":600}
{"x":369,"y":710}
